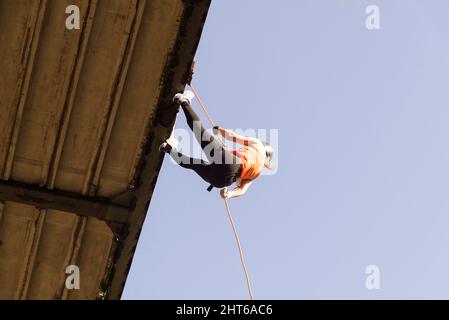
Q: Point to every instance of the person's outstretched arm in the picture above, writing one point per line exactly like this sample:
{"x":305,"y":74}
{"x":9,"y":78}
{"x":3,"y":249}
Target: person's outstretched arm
{"x":237,"y":191}
{"x":232,"y":136}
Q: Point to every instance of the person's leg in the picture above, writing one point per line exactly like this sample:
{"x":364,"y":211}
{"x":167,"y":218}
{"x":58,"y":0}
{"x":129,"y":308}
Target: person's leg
{"x":201,"y":167}
{"x":218,"y":175}
{"x":212,"y":146}
{"x":202,"y":136}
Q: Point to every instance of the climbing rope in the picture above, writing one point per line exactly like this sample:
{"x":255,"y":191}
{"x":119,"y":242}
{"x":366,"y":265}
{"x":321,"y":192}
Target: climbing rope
{"x":202,"y":106}
{"x":231,"y":220}
{"x":205,"y":112}
{"x":242,"y":259}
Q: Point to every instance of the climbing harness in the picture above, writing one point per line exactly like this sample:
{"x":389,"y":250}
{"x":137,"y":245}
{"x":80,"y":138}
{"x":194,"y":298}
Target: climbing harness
{"x":231,"y":220}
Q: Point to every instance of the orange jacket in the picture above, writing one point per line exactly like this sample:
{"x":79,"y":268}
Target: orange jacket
{"x":252,"y":162}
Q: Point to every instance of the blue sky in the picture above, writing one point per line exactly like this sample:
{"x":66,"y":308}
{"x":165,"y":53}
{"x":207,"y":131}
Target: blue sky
{"x":363,"y":157}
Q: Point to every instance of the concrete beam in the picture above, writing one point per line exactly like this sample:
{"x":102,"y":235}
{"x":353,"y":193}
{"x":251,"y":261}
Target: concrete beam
{"x":43,"y":198}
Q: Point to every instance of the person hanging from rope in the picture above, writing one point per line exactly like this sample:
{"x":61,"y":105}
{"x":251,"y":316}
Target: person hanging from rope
{"x":224,"y":167}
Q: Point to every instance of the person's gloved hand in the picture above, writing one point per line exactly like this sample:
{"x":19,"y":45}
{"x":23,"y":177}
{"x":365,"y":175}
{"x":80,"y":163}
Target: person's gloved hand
{"x":224,"y":193}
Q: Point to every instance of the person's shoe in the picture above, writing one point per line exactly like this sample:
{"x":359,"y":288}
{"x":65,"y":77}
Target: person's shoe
{"x":187,"y":96}
{"x":165,"y":147}
{"x":174,"y":143}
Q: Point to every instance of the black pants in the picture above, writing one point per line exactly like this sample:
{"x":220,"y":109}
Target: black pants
{"x":223,"y":168}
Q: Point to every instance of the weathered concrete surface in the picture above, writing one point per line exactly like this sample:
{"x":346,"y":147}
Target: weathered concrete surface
{"x":81,"y":115}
